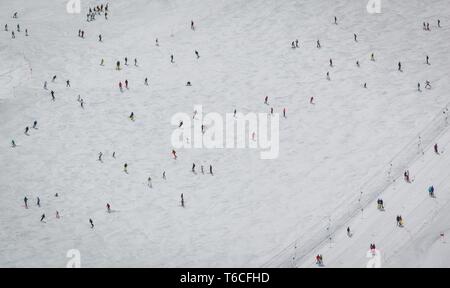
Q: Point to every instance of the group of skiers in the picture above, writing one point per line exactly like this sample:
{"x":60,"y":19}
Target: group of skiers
{"x":100,"y":9}
{"x":380,"y":206}
{"x":202,"y":169}
{"x":97,"y":10}
{"x":426,"y":25}
{"x":13,"y":34}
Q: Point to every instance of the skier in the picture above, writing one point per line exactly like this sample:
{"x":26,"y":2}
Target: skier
{"x":13,"y":144}
{"x":328,"y":76}
{"x":26,"y":32}
{"x":399,"y":221}
{"x":126,"y":84}
{"x":335,"y":20}
{"x":18,"y":28}
{"x":211,"y":170}
{"x":357,"y":64}
{"x":182,"y":200}
{"x":380,"y":203}
{"x":38,"y":202}
{"x":296,"y":43}
{"x":436,"y":150}
{"x":311,"y":101}
{"x":428,"y":60}
{"x":156,"y":42}
{"x":135,"y":62}
{"x":146,"y":82}
{"x":42,"y":217}
{"x":439,"y":23}
{"x":125,"y":168}
{"x":193,"y":167}
{"x":108,"y":207}
{"x":427,"y":85}
{"x":293,"y":45}
{"x":82,"y":103}
{"x":266,"y":100}
{"x":349,"y":233}
{"x":118,"y":65}
{"x":13,"y":36}
{"x":126,"y":61}
{"x":57,"y":215}
{"x":100,"y":155}
{"x":120,"y":86}
{"x":67,"y":83}
{"x":318,"y":44}
{"x":192,"y":25}
{"x":372,"y":57}
{"x":284,"y":112}
{"x":26,"y":131}
{"x":6,"y":27}
{"x":149,"y":182}
{"x":174,"y":153}
{"x":82,"y":34}
{"x":100,"y":38}
{"x":54,"y":78}
{"x":15,"y":15}
{"x":45,"y":85}
{"x":171,"y":59}
{"x":319,"y":260}
{"x":365,"y":85}
{"x":53,"y":95}
{"x":431,"y":191}
{"x":25,"y":200}
{"x":418,"y":87}
{"x":114,"y":155}
{"x":196,"y":53}
{"x":355,"y":37}
{"x":331,"y":62}
{"x":400,"y":66}
{"x":92,"y":223}
{"x":164,"y":175}
{"x":188,"y":83}
{"x":102,"y":62}
{"x":271,"y":110}
{"x":132,"y":116}
{"x":406,"y":176}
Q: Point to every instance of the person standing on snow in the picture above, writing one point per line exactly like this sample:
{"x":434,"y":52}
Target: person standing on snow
{"x":174,"y":153}
{"x":431,"y":191}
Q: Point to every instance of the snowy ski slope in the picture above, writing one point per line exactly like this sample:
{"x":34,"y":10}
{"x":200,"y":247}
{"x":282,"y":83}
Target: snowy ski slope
{"x":251,"y":211}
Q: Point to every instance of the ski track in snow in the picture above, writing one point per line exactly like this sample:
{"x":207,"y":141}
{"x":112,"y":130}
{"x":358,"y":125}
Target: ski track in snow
{"x":251,"y":209}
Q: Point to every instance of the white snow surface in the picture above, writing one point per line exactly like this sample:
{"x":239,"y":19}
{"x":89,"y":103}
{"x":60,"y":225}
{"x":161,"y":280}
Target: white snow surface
{"x":252,"y":212}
